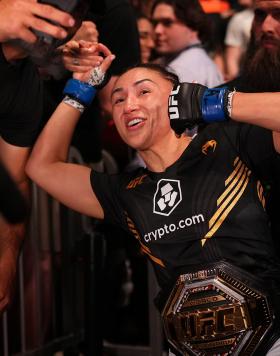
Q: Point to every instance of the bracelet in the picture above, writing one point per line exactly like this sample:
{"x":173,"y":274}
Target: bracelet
{"x":96,"y":77}
{"x":214,"y":105}
{"x":79,"y":91}
{"x":74,"y":103}
{"x":229,"y":102}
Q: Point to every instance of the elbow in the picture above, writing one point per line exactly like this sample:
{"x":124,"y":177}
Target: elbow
{"x":29,"y":168}
{"x":32,"y":170}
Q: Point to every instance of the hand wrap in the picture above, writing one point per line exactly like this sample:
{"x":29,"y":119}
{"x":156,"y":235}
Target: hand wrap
{"x":194,"y":104}
{"x":80,"y":91}
{"x":81,"y":94}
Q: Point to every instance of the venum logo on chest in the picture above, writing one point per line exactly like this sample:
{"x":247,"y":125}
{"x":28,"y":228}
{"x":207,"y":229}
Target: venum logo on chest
{"x":167,"y":196}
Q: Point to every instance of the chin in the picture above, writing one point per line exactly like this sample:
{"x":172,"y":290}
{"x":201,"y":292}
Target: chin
{"x":162,"y":50}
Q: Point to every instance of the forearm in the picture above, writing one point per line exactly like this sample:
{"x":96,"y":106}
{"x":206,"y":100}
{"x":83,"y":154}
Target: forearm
{"x":11,"y":239}
{"x":261,"y":109}
{"x":233,"y":55}
{"x":53,"y":143}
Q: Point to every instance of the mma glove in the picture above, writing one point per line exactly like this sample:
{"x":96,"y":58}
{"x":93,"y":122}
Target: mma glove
{"x":193,"y":104}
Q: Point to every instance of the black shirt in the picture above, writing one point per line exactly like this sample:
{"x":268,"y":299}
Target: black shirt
{"x":207,"y":206}
{"x":20,"y":101}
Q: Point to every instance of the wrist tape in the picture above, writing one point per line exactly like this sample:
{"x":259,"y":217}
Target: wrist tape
{"x":214,"y":105}
{"x":74,"y":103}
{"x":79,"y":91}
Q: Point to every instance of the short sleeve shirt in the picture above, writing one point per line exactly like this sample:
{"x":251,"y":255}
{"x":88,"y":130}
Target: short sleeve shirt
{"x":239,"y":29}
{"x":207,"y":206}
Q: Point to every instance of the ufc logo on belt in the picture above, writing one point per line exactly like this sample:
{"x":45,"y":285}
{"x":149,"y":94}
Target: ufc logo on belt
{"x":173,"y":104}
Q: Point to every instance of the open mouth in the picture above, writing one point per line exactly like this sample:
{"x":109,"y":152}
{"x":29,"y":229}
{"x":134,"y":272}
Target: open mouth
{"x":135,"y":122}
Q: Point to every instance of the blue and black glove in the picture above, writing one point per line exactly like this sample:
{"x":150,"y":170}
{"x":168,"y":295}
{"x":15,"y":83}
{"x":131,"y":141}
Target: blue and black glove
{"x":193,"y":104}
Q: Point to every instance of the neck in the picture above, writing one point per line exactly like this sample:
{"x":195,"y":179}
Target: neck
{"x":162,"y":156}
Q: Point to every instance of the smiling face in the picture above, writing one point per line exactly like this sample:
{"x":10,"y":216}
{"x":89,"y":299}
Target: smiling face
{"x":139,"y":100}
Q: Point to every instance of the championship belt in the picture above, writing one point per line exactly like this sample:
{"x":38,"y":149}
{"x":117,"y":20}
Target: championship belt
{"x":218,"y":311}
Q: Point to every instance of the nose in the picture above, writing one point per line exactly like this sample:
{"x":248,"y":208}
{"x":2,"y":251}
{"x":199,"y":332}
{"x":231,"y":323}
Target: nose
{"x":130,"y":104}
{"x":269,"y":24}
{"x":158,"y":28}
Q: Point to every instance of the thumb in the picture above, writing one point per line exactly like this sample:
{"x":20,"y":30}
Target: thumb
{"x":107,"y":62}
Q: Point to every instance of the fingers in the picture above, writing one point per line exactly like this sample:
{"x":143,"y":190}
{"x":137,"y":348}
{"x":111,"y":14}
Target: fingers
{"x":48,"y":28}
{"x":87,"y":32}
{"x":81,"y":57}
{"x":108,"y":57}
{"x":51,"y":13}
{"x":19,"y":17}
{"x":89,"y":62}
{"x":107,"y":62}
{"x":103,"y":49}
{"x":38,"y":17}
{"x":76,"y":64}
{"x":25,"y":34}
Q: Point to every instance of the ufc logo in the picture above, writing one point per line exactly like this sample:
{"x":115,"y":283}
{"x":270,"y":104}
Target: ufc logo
{"x":212,"y":322}
{"x":173,"y":104}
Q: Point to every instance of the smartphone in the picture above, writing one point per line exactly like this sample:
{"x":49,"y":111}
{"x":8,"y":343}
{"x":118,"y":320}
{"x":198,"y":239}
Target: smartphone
{"x":77,"y":8}
{"x":43,"y":48}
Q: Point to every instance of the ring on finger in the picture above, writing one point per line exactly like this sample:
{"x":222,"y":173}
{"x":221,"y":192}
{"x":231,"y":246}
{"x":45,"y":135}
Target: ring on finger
{"x":76,"y":62}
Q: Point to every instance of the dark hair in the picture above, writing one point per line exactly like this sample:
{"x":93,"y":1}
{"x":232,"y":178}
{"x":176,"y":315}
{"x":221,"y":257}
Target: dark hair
{"x":191,"y":14}
{"x":140,"y":15}
{"x":160,"y":69}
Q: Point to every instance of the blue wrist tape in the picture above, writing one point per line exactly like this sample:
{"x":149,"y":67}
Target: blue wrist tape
{"x":80,"y":91}
{"x":213,"y":105}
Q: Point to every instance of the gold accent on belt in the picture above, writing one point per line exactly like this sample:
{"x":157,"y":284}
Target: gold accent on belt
{"x":212,"y":312}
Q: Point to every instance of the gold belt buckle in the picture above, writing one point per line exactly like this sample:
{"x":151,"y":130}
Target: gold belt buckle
{"x":213,"y":312}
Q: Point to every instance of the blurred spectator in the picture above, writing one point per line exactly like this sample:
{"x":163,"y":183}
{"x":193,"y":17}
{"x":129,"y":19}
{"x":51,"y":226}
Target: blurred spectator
{"x":146,"y":37}
{"x":20,"y":112}
{"x":219,"y":13}
{"x":261,"y":72}
{"x":147,"y":46}
{"x":237,"y":38}
{"x":181,"y":29}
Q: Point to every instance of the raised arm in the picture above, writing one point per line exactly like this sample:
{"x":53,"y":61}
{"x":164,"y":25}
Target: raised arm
{"x":261,"y":109}
{"x":193,"y":104}
{"x":47,"y":166}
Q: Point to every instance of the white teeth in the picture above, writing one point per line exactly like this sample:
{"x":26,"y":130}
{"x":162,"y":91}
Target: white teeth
{"x":134,"y":122}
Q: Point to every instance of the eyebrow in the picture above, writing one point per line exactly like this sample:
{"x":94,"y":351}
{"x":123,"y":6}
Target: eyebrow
{"x":120,"y":89}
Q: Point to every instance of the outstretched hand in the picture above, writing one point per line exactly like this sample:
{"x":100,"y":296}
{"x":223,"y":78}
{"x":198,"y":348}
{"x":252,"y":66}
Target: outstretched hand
{"x":82,"y":57}
{"x":19,"y":17}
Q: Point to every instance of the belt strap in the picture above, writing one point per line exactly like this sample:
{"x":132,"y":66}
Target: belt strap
{"x":268,"y":341}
